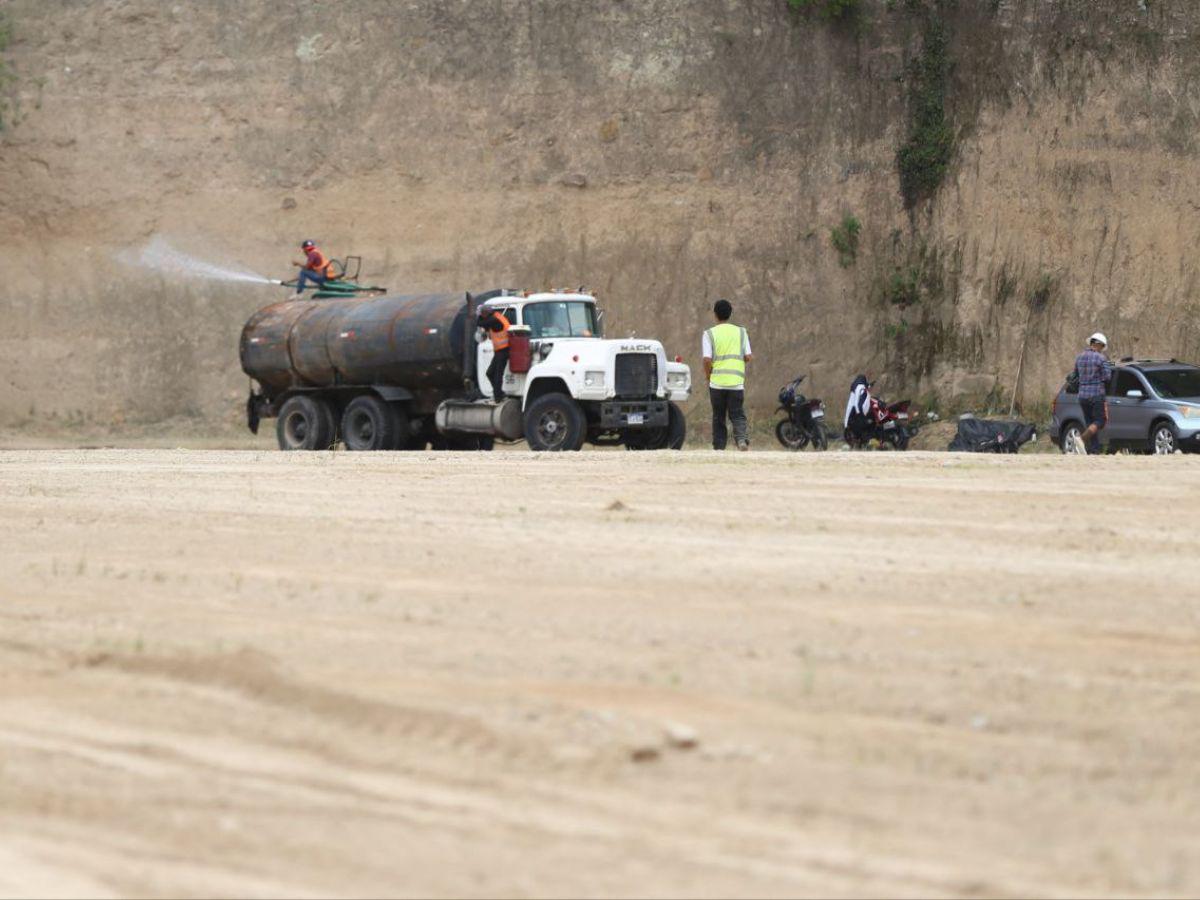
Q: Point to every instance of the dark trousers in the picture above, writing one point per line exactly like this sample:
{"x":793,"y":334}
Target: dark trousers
{"x":1095,"y":412}
{"x":495,"y":373}
{"x":859,"y":427}
{"x":731,"y":404}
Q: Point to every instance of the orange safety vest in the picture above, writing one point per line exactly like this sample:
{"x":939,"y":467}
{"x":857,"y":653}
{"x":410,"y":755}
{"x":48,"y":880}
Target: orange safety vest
{"x":320,"y":265}
{"x":500,"y":338}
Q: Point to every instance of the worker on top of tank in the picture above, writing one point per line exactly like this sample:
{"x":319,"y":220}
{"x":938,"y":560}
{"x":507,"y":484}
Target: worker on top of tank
{"x":496,"y":325}
{"x":316,"y":268}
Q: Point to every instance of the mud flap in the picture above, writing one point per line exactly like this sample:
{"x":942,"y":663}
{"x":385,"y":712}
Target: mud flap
{"x":252,"y":416}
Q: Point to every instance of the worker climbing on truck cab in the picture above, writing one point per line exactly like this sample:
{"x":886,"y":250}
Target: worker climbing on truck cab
{"x":316,"y":268}
{"x":494,"y":322}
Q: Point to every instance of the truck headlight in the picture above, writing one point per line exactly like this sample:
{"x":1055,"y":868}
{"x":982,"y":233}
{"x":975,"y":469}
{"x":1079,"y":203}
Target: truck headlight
{"x":593,"y":379}
{"x":676,"y":379}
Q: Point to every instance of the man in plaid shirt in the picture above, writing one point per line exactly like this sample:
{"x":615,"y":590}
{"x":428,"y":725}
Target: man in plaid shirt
{"x":1095,"y":372}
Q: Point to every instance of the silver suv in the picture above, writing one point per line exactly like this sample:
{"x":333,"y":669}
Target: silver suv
{"x":1153,"y":406}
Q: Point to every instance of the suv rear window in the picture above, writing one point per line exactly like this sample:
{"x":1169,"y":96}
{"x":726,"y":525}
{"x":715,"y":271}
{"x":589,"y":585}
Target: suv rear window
{"x":1175,"y":384}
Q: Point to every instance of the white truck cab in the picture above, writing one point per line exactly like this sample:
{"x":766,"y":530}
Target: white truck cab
{"x":582,"y":387}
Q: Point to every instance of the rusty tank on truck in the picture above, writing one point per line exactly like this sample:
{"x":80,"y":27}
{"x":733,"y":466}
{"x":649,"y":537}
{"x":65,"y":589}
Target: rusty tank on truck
{"x":406,"y":372}
{"x":416,"y":342}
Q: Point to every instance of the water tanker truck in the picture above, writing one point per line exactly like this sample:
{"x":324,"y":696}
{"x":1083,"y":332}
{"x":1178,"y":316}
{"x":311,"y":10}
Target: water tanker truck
{"x":404,"y":373}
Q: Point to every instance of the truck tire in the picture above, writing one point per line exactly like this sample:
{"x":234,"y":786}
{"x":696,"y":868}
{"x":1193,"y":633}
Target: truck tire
{"x":554,"y":423}
{"x":670,"y":437}
{"x":371,"y":424}
{"x":676,"y":428}
{"x":305,"y":423}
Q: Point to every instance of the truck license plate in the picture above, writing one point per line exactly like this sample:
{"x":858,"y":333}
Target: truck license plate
{"x":637,"y":418}
{"x":818,"y":414}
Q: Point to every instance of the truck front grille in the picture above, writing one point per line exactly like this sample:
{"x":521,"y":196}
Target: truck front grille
{"x":636,"y":375}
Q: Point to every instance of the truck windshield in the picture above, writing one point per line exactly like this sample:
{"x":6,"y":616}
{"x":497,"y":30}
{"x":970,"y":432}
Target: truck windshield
{"x":567,"y":318}
{"x":1174,"y":384}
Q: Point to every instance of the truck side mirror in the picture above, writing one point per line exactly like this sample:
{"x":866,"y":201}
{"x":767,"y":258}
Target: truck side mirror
{"x":600,"y":321}
{"x":1135,"y":394}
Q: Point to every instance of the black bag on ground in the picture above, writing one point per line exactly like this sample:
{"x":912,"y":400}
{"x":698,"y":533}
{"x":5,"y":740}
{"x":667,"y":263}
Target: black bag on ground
{"x":991,"y":436}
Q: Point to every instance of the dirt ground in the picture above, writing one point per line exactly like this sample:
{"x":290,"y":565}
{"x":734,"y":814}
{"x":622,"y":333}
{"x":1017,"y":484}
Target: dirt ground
{"x":253,"y":673}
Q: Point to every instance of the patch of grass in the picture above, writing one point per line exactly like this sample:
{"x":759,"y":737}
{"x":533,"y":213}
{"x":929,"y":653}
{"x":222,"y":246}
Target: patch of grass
{"x":7,"y":76}
{"x":925,"y":156}
{"x":845,"y":240}
{"x":1043,"y":291}
{"x":838,"y":10}
{"x":903,"y":289}
{"x":1006,"y":285}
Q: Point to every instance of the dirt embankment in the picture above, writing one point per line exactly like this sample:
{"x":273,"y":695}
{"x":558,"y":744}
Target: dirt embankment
{"x":903,"y":675}
{"x":661,"y":153}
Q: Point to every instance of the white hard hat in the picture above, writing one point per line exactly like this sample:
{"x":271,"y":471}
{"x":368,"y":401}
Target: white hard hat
{"x":1098,"y":338}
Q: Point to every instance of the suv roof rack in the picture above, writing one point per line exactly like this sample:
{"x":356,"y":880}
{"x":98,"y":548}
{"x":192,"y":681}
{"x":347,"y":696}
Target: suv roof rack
{"x":1130,"y":359}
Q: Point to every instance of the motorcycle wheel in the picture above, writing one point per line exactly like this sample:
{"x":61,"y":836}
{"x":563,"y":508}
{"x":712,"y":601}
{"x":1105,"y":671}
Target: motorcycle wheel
{"x":790,"y":436}
{"x":898,"y":438}
{"x":820,"y":441}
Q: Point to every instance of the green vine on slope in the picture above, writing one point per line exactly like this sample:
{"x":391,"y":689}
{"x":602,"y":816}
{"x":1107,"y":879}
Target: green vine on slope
{"x":845,"y":240}
{"x":925,"y":156}
{"x":830,"y":9}
{"x":7,"y":77}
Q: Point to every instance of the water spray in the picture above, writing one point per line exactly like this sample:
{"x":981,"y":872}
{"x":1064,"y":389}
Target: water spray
{"x":160,"y":256}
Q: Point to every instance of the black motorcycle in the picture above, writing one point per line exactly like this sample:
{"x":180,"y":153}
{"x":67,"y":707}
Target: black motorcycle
{"x":804,"y":419}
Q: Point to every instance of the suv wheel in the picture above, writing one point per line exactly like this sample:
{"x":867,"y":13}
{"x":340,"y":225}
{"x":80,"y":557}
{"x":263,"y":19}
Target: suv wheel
{"x":1163,"y":441}
{"x":1066,"y":440}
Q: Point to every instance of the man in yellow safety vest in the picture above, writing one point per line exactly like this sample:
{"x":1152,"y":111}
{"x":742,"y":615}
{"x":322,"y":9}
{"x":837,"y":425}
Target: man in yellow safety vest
{"x":726,"y":350}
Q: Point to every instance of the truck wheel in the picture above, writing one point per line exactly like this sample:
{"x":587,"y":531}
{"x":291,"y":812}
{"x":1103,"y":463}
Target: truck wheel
{"x":676,"y":428}
{"x":370,"y":424}
{"x":670,"y":437}
{"x":555,"y":422}
{"x":305,"y":423}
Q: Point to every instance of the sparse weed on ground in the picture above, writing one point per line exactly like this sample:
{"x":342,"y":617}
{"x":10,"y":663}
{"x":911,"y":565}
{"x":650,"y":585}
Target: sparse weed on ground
{"x":845,"y":240}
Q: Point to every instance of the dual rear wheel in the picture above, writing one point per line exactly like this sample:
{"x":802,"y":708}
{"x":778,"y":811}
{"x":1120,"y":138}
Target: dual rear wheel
{"x":367,"y":423}
{"x":370,"y":423}
{"x":305,"y":423}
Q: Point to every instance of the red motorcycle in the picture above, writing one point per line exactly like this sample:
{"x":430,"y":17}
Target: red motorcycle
{"x":888,"y":423}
